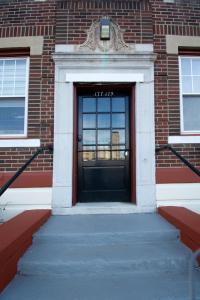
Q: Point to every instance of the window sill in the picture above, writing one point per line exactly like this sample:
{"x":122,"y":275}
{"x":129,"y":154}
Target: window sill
{"x":192,"y":139}
{"x":16,"y":143}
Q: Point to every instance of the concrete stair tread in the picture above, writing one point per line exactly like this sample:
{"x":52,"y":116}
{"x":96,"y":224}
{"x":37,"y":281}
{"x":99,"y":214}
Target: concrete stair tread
{"x":88,"y":224}
{"x":47,"y":251}
{"x":103,"y":229}
{"x":109,"y":237}
{"x":119,"y":287}
{"x":61,"y":258}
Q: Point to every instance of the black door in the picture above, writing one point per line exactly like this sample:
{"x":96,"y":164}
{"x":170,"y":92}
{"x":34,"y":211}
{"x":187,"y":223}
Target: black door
{"x":103,"y":147}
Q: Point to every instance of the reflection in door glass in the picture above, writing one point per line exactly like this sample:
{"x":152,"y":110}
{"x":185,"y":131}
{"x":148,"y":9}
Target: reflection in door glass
{"x":89,"y":104}
{"x":119,"y":154}
{"x":118,"y":136}
{"x":89,"y":153}
{"x":103,"y":105}
{"x":103,"y":120}
{"x":104,"y":153}
{"x":118,"y":120}
{"x":89,"y":120}
{"x":118,"y":104}
{"x":89,"y":137}
{"x":103,"y":136}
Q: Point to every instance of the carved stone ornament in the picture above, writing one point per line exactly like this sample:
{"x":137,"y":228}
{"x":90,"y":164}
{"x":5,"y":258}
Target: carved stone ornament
{"x":116,"y":42}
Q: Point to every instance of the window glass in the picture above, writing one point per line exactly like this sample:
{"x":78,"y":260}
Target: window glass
{"x":89,"y":153}
{"x":103,"y":120}
{"x":1,"y":75}
{"x":118,"y":152}
{"x":89,"y":137}
{"x":8,"y":77}
{"x":104,"y":152}
{"x":103,"y":137}
{"x":118,"y":104}
{"x":12,"y":116}
{"x":186,"y":66}
{"x":196,"y":84}
{"x":196,"y":66}
{"x":118,"y":120}
{"x":118,"y":136}
{"x":89,"y":120}
{"x":103,"y":104}
{"x":187,"y":84}
{"x":191,"y":109}
{"x":89,"y":105}
{"x":13,"y":86}
{"x":190,"y":98}
{"x":20,"y":77}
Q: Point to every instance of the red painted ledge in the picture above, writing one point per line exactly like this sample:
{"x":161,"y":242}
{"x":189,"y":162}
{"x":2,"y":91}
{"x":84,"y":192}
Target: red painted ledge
{"x":15,"y":237}
{"x":187,"y":221}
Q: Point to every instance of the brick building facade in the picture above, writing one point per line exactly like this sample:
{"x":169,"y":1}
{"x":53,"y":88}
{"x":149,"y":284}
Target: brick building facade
{"x":163,"y":35}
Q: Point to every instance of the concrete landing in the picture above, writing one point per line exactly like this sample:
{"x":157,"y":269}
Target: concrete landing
{"x":104,"y":257}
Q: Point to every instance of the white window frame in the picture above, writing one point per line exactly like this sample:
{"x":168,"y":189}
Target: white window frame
{"x":24,"y":135}
{"x":185,"y":132}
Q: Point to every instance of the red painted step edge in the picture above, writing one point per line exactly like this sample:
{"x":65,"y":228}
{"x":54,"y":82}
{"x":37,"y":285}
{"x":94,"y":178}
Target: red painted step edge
{"x":15,"y":237}
{"x":187,"y":221}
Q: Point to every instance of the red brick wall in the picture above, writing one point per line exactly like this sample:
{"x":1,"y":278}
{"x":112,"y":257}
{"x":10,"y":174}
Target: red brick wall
{"x":144,"y":22}
{"x":30,"y":18}
{"x":180,"y":18}
{"x":75,"y":17}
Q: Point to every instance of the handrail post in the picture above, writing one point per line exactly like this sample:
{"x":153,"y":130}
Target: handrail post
{"x":192,"y":264}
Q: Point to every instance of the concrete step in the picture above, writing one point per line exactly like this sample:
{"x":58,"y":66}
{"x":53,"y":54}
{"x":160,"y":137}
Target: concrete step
{"x":103,"y":229}
{"x":62,"y":258}
{"x":144,"y":286}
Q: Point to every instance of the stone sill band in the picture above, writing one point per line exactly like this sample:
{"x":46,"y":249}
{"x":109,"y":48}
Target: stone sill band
{"x":17,"y":143}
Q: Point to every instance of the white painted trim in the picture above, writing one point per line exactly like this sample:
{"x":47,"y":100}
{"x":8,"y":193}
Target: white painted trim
{"x":181,"y":194}
{"x":101,"y":67}
{"x":185,"y":94}
{"x":15,"y":201}
{"x":104,"y":77}
{"x":25,"y":96}
{"x":184,"y":139}
{"x":19,"y":143}
{"x":181,"y":95}
{"x":103,"y":208}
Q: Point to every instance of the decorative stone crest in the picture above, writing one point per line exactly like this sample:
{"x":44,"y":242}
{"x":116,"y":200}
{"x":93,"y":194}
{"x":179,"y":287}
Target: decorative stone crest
{"x":116,"y":42}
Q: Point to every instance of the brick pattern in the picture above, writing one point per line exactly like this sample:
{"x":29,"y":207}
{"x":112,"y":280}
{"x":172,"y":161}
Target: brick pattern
{"x":66,"y":21}
{"x":30,"y":18}
{"x":73,"y":19}
{"x":179,"y":18}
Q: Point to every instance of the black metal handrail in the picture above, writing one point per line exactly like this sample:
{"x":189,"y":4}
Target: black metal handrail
{"x":184,"y":160}
{"x":21,"y":170}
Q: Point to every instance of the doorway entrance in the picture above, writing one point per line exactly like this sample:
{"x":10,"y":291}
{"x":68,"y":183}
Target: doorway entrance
{"x":104,"y":145}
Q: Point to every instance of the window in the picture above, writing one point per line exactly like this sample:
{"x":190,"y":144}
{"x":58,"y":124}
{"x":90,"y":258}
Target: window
{"x":190,"y":94}
{"x":13,"y":96}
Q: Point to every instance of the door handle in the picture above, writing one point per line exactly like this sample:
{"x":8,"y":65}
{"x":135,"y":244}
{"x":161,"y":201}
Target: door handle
{"x":125,"y":153}
{"x":79,"y":138}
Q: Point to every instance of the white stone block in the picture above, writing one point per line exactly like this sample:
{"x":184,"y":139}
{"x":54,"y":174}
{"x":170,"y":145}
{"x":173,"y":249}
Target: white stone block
{"x":62,"y":197}
{"x":63,"y":156}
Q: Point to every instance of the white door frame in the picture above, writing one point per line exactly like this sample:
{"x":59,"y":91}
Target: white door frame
{"x":71,"y":67}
